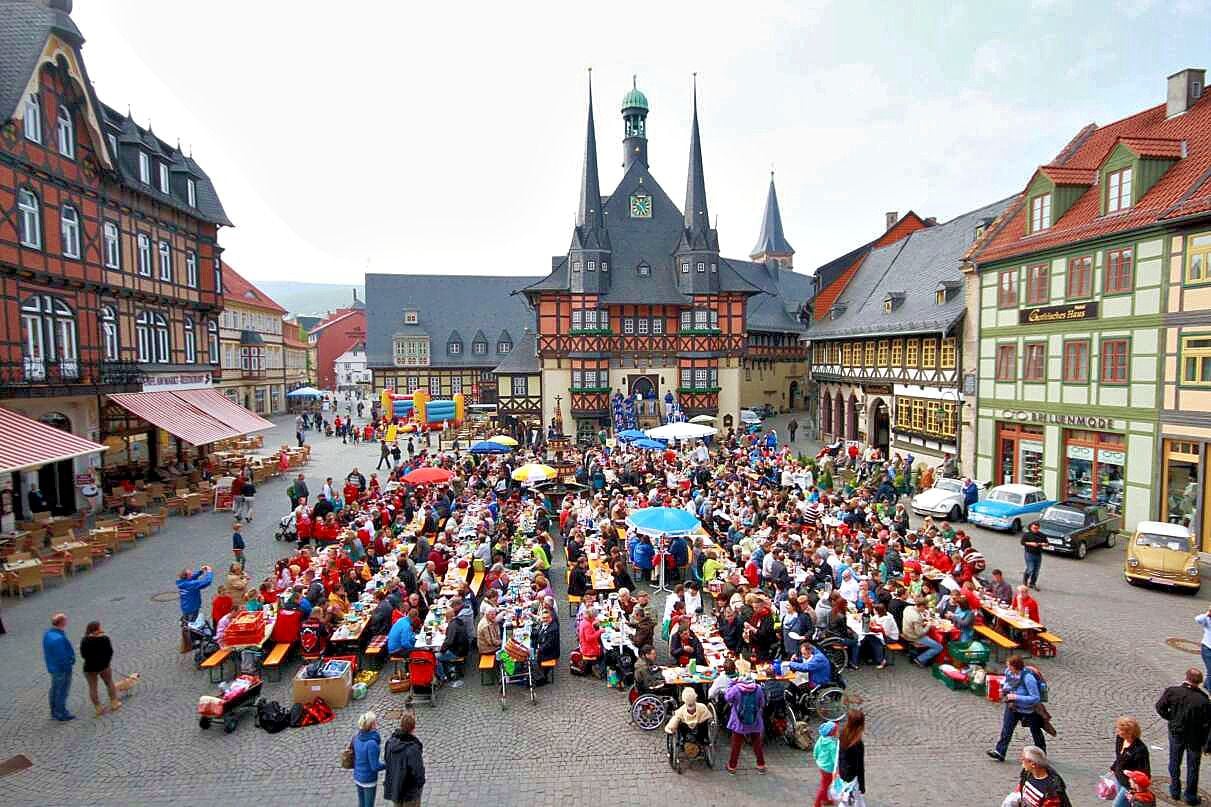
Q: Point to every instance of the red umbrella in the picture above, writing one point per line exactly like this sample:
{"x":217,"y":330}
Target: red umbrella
{"x":428,"y":476}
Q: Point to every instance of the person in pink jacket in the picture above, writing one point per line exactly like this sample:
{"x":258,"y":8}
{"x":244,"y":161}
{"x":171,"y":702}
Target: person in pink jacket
{"x":590,"y":640}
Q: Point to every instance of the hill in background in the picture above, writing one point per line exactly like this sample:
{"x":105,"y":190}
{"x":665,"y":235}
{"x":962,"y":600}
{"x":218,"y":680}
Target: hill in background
{"x":311,"y":298}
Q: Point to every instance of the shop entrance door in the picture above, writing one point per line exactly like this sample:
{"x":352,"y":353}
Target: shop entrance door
{"x":1019,"y":457}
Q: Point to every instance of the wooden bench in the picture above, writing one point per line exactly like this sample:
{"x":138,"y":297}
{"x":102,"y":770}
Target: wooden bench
{"x":549,"y":666}
{"x":477,"y":583}
{"x":276,"y":656}
{"x":216,"y":661}
{"x":487,"y":669}
{"x":375,"y":651}
{"x":573,"y":604}
{"x":1001,"y":643}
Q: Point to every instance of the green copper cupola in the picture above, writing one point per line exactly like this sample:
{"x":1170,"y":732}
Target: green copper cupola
{"x":634,"y":119}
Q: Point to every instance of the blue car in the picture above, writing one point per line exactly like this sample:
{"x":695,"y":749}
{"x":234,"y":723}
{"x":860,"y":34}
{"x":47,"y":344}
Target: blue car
{"x":1009,"y":507}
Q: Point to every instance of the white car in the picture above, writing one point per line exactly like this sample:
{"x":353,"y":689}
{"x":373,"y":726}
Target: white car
{"x":749,"y":418}
{"x":943,"y":500}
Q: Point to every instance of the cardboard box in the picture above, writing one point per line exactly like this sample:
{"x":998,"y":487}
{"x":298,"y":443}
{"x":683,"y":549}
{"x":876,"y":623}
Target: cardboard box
{"x":335,"y":691}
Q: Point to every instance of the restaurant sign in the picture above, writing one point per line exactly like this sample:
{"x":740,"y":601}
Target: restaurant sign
{"x":1082,"y":421}
{"x":877,"y":389}
{"x":175,"y":381}
{"x":1058,"y":313}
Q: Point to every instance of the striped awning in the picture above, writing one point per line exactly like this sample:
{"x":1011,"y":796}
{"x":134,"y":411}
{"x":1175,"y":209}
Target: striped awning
{"x":28,"y":443}
{"x":176,"y":416}
{"x":226,"y":410}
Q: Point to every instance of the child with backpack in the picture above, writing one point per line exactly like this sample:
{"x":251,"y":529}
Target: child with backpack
{"x":825,"y":753}
{"x":747,"y":701}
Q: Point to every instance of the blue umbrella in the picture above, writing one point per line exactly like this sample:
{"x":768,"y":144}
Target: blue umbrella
{"x":488,"y":447}
{"x":627,"y":435}
{"x":663,"y":520}
{"x":649,"y":443}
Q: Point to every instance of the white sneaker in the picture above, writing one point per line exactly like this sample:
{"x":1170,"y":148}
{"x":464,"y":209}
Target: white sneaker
{"x":456,"y":684}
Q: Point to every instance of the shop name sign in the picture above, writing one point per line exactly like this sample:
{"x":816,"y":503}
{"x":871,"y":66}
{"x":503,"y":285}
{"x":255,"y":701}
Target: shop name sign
{"x":1058,"y":313}
{"x":1085,"y":421}
{"x":157,"y":383}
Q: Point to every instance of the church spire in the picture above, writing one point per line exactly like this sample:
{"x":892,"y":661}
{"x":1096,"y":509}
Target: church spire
{"x":589,"y":254}
{"x":772,"y":243}
{"x":588,"y":215}
{"x":697,"y":219}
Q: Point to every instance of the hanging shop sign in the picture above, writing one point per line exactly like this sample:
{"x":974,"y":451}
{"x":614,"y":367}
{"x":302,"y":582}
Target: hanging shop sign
{"x":1058,"y":313}
{"x":1082,"y":421}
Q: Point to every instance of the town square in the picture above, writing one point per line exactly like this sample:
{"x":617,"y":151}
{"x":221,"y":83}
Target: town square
{"x":321,"y":480}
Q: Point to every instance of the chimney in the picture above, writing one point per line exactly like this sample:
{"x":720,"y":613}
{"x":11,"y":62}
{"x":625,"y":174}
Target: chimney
{"x":890,"y":217}
{"x":1185,"y":88}
{"x":932,"y":221}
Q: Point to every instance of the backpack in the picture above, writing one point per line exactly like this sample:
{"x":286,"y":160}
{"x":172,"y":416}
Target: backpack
{"x":271,"y":716}
{"x":1039,"y":679}
{"x":748,"y":707}
{"x":312,"y":637}
{"x":296,"y":715}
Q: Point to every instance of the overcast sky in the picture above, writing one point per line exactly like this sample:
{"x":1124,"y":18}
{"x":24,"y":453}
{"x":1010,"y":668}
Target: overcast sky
{"x":448,"y":137}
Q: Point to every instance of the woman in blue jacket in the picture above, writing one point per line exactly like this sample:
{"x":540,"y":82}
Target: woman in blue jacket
{"x":643,"y":554}
{"x":366,"y":763}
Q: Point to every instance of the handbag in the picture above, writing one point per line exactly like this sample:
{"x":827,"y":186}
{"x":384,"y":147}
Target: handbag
{"x":347,"y":756}
{"x":1106,"y":787}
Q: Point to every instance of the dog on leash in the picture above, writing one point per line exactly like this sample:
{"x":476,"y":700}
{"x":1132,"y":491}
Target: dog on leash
{"x":126,"y":683}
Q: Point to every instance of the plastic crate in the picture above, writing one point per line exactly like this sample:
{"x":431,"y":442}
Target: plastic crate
{"x":973,"y":652}
{"x":949,"y":682}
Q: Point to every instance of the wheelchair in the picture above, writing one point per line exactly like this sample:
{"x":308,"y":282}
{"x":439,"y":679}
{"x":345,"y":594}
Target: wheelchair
{"x":650,"y":709}
{"x":693,"y":745}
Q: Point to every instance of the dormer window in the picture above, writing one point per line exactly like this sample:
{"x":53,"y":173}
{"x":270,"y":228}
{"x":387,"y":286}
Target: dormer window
{"x":591,"y":266}
{"x":144,"y":168}
{"x":191,"y":192}
{"x":479,"y":348}
{"x":411,"y":317}
{"x":887,"y":306}
{"x":112,"y":139}
{"x":644,"y":270}
{"x":714,"y":268}
{"x":1118,"y":190}
{"x":837,"y":311}
{"x":701,"y":267}
{"x":454,"y":348}
{"x":163,"y":178}
{"x":1040,"y":212}
{"x":939,"y":296}
{"x":605,"y":266}
{"x":575,"y":266}
{"x":685,"y":267}
{"x":503,"y":347}
{"x":892,"y":301}
{"x":945,"y":291}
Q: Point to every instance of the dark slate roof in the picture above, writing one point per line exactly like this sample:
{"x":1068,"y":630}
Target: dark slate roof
{"x":913,"y":266}
{"x":784,"y":295}
{"x":523,"y":359}
{"x":635,"y":241}
{"x":445,"y":304}
{"x":24,"y":27}
{"x":132,"y":139}
{"x":772,"y":240}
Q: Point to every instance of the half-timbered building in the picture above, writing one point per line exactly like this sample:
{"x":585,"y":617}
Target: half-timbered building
{"x":109,"y":257}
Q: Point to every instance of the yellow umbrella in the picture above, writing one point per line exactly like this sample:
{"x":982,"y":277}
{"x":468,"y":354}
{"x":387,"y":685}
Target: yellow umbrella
{"x":504,"y":440}
{"x":534,"y":472}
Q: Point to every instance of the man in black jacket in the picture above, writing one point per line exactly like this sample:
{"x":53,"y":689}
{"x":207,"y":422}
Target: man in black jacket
{"x":404,"y":758}
{"x":1187,"y":709}
{"x":545,"y":642}
{"x":457,"y":642}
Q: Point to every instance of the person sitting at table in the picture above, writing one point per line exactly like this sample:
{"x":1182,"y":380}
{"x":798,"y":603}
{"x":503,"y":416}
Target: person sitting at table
{"x":589,"y":635}
{"x":380,"y":618}
{"x":220,"y":629}
{"x":401,"y":637}
{"x":622,"y":578}
{"x":684,"y":645}
{"x":626,"y":603}
{"x":882,"y":630}
{"x":642,"y":621}
{"x":815,"y":664}
{"x":693,"y":598}
{"x":542,"y":587}
{"x":429,"y":577}
{"x":759,"y":635}
{"x":723,"y":679}
{"x":487,"y":633}
{"x":545,"y":641}
{"x":797,"y":627}
{"x":578,"y":579}
{"x":691,"y":720}
{"x":731,"y":629}
{"x":999,"y":589}
{"x":456,"y":644}
{"x":647,"y":672}
{"x":1026,"y":605}
{"x":838,"y":626}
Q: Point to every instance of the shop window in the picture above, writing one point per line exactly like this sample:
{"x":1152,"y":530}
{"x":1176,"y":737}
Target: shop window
{"x":1198,"y":259}
{"x":1093,"y":463}
{"x":1038,"y":290}
{"x":1076,"y":361}
{"x":1080,"y":277}
{"x":1181,"y":483}
{"x":1196,"y":360}
{"x":1007,"y":362}
{"x":1007,"y":289}
{"x":1114,"y":361}
{"x":1034,"y":367}
{"x":1119,"y":277}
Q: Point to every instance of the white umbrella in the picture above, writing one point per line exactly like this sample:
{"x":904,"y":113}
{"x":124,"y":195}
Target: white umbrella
{"x":702,"y":419}
{"x":681,"y":431}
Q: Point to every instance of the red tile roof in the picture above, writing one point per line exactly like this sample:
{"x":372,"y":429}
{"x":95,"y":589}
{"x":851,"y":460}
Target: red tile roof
{"x":238,"y":290}
{"x":1183,"y":189}
{"x":1062,"y":175}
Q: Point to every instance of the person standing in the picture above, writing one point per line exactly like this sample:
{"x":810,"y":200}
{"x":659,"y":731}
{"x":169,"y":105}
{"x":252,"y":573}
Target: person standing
{"x":298,"y":491}
{"x":1202,"y":620}
{"x":1039,"y":784}
{"x":851,"y":759}
{"x":384,"y":456}
{"x":747,"y":701}
{"x":1032,"y":548}
{"x":404,"y":758}
{"x":1021,"y":693}
{"x":249,"y":492}
{"x":791,"y":428}
{"x":1130,"y":754}
{"x":826,"y":752}
{"x":97,"y":651}
{"x":60,"y":658}
{"x":189,"y":588}
{"x":237,"y":544}
{"x":366,"y":764}
{"x":1187,"y":710}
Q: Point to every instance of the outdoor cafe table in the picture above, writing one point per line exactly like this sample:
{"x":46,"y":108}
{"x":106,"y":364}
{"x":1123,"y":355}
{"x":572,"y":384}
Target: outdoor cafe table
{"x":78,"y":550}
{"x":1009,"y":616}
{"x":28,"y":572}
{"x":105,"y":535}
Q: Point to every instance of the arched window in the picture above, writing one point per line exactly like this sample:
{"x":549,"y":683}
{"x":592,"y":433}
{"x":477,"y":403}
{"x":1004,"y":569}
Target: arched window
{"x":191,"y":342}
{"x":212,"y":341}
{"x":31,"y":218}
{"x":32,"y":122}
{"x":67,"y":133}
{"x":69,"y":229}
{"x":160,"y":325}
{"x":48,"y":327}
{"x":143,"y":336}
{"x":109,"y":333}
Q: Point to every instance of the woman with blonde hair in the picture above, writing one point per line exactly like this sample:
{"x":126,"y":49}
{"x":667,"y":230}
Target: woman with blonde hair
{"x":691,"y":718}
{"x":366,"y":746}
{"x":1130,"y":754}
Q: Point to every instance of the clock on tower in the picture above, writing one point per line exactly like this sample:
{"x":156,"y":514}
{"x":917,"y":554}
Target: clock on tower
{"x":641,"y":206}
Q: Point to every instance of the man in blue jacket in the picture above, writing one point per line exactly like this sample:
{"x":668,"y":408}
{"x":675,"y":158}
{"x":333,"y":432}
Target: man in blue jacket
{"x":60,"y":658}
{"x":401,"y":639}
{"x":1021,"y":693}
{"x":811,"y":661}
{"x":189,"y":587}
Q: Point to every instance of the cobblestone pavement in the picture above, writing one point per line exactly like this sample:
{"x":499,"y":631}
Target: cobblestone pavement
{"x":575,"y":746}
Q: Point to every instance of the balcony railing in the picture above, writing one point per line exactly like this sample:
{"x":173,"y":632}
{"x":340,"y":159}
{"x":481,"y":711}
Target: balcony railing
{"x":32,"y":377}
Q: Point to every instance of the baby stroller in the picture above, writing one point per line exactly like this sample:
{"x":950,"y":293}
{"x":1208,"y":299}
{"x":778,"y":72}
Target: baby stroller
{"x":200,"y":636}
{"x":693,"y":745}
{"x":286,"y":531}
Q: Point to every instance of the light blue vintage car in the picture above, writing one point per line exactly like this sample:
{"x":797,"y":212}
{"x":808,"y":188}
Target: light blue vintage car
{"x":1009,"y":507}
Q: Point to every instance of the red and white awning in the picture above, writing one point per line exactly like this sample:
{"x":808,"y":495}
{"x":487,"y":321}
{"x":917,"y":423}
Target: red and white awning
{"x":176,"y":416}
{"x":28,"y":443}
{"x":223,"y":408}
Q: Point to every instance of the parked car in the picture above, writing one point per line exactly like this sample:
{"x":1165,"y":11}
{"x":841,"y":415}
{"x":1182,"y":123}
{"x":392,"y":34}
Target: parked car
{"x":1009,"y":507}
{"x":750,"y":421}
{"x":1163,"y":554}
{"x":944,"y":499}
{"x":1075,"y":527}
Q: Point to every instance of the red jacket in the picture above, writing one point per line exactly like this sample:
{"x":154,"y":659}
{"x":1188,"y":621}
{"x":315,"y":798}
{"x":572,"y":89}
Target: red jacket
{"x":440,"y":563}
{"x":590,"y":639}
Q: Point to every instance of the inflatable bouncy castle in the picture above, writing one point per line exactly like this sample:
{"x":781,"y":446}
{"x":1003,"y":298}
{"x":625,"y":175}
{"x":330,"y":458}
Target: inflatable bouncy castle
{"x":422,"y":412}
